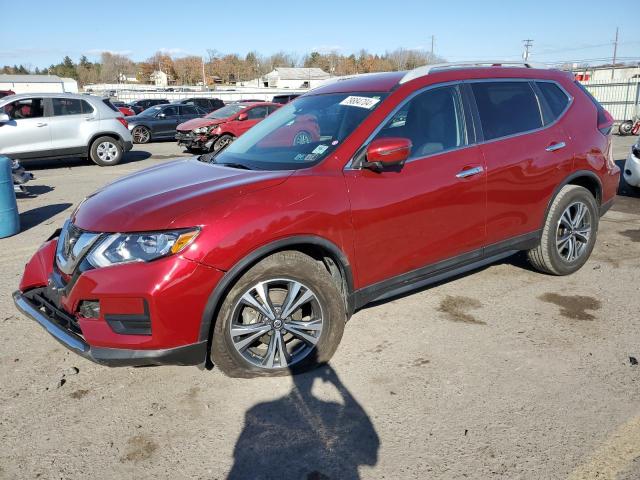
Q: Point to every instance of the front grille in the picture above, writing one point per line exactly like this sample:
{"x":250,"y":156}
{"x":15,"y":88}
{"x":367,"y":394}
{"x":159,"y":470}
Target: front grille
{"x":73,"y":245}
{"x":39,"y":300}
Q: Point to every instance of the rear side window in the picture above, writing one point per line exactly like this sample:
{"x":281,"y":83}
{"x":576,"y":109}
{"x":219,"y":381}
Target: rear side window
{"x":108,"y":103}
{"x":506,"y":108}
{"x":70,"y":106}
{"x":555,"y":97}
{"x":189,"y":110}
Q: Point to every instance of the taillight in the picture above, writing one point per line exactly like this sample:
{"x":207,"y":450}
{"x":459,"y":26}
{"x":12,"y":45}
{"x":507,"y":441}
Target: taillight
{"x":605,"y":121}
{"x":123,"y":121}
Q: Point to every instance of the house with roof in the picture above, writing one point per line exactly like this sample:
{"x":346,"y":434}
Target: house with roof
{"x":290,"y":77}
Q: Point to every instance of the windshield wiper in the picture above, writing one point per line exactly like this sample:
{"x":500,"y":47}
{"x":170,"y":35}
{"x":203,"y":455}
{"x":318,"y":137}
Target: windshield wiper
{"x":233,"y":165}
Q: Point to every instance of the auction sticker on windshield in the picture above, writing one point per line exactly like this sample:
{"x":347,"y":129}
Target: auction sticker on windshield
{"x":362,"y":102}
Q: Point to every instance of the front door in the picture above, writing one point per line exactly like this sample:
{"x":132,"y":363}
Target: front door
{"x":27,"y":133}
{"x":166,"y":122}
{"x":430,"y":210}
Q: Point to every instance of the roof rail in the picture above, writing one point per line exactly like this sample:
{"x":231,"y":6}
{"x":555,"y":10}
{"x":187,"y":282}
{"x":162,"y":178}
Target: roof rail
{"x":427,"y":69}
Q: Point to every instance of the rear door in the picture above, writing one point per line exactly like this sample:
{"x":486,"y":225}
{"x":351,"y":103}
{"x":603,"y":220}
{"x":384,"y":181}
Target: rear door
{"x":433,"y":208}
{"x":27,"y":134}
{"x":527,"y":154}
{"x":71,"y":120}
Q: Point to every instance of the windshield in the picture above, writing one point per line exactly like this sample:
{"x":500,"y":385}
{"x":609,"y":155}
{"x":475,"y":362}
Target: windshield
{"x":302,"y":133}
{"x":225,"y":112}
{"x":151,"y":111}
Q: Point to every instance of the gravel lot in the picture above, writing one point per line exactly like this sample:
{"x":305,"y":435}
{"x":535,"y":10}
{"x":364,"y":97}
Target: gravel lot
{"x":503,"y":373}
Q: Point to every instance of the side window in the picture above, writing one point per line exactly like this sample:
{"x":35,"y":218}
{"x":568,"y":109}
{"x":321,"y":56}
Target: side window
{"x":257,"y":112}
{"x":66,"y":106}
{"x":170,"y":111}
{"x":189,"y":110}
{"x":432,"y":120}
{"x":506,"y":108}
{"x":555,"y":97}
{"x":25,"y":108}
{"x":86,"y":107}
{"x":272,"y":109}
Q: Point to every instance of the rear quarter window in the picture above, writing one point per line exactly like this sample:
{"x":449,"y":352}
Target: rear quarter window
{"x":108,"y":103}
{"x":506,"y":108}
{"x":555,"y":97}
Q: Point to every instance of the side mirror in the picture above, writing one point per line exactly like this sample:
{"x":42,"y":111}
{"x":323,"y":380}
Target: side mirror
{"x":4,"y":118}
{"x":387,"y":152}
{"x":242,"y":117}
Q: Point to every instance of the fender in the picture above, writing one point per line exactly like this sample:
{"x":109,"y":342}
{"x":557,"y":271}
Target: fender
{"x":217,"y":296}
{"x":566,"y":181}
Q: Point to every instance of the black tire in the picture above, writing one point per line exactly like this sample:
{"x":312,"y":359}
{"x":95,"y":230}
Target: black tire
{"x":106,"y":151}
{"x":222,"y":141}
{"x":193,"y":149}
{"x":141,"y":134}
{"x":625,"y":128}
{"x":548,"y":256}
{"x":297,"y":267}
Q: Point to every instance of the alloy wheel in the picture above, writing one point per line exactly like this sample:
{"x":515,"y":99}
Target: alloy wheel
{"x":574,"y":232}
{"x":302,"y":138}
{"x":276,"y":323}
{"x":140,"y":135}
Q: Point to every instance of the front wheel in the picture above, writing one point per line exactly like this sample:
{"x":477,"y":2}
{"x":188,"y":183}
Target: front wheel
{"x":569,"y":232}
{"x":625,"y":128}
{"x":106,"y":151}
{"x":222,"y":142}
{"x":285,"y":315}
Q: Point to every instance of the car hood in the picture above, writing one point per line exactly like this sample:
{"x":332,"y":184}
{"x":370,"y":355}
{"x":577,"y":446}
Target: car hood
{"x":201,"y":122}
{"x":160,"y":197}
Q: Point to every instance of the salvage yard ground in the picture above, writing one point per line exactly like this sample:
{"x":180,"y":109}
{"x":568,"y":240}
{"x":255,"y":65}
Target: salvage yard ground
{"x":502,"y":373}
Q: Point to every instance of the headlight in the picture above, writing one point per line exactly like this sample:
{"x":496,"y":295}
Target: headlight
{"x":201,"y":130}
{"x":139,"y":247}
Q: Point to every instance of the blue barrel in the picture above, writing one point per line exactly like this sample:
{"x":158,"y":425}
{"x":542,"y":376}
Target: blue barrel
{"x":9,"y":217}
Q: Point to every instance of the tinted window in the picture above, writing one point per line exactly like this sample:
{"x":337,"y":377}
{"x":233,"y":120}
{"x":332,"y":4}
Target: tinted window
{"x":432,"y":120}
{"x":170,"y":111}
{"x":25,"y":108}
{"x":506,"y":108}
{"x":86,"y":107}
{"x":108,"y":103}
{"x":555,"y":97}
{"x":189,"y":110}
{"x":66,"y":106}
{"x":257,"y":112}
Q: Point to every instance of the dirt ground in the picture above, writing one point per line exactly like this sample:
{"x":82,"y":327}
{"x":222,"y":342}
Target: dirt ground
{"x":501,"y":373}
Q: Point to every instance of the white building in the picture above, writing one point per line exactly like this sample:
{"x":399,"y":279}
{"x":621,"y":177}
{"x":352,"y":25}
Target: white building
{"x":285,"y":77}
{"x":607,"y":73}
{"x":159,"y":78}
{"x":38,"y":83}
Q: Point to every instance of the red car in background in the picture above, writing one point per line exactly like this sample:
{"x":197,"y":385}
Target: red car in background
{"x":6,"y":93}
{"x":124,"y":109}
{"x":219,"y":128}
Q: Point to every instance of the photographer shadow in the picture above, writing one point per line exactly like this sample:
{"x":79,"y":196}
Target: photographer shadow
{"x":300,"y":436}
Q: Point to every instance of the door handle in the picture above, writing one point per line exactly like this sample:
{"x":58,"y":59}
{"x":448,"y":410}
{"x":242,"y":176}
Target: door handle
{"x":555,"y":146}
{"x":469,"y":172}
{"x":41,"y":124}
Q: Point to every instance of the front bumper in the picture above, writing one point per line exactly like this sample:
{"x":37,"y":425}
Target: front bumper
{"x":631,"y":170}
{"x":194,"y":354}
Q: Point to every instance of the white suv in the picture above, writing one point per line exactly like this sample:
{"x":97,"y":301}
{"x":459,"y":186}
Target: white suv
{"x":45,"y":125}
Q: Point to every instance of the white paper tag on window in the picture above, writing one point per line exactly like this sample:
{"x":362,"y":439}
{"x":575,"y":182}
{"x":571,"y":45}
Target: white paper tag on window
{"x":320,"y":149}
{"x":362,"y":102}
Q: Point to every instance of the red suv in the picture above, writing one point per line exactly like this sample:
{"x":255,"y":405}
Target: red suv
{"x":255,"y":257}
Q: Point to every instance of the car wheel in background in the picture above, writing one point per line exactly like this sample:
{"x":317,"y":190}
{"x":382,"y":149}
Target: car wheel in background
{"x":284,"y":315}
{"x":106,"y":151}
{"x":141,"y":135}
{"x":625,"y":128}
{"x":302,"y":137}
{"x":223,"y":141}
{"x":569,"y":232}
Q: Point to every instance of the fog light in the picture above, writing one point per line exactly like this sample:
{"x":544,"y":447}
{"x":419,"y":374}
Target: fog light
{"x":90,"y":308}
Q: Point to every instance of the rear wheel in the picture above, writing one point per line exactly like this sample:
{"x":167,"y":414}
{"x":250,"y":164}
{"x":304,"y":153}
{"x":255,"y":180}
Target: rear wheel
{"x":302,"y":137}
{"x":285,"y":315}
{"x":141,"y":134}
{"x":106,"y":151}
{"x":569,"y":233}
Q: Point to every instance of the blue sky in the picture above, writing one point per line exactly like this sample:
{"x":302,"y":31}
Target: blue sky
{"x":42,"y":32}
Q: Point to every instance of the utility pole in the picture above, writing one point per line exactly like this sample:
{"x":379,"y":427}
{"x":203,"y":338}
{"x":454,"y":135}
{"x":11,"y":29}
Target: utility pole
{"x":615,"y":54}
{"x":433,"y":40}
{"x":204,"y":78}
{"x":528,"y":43}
